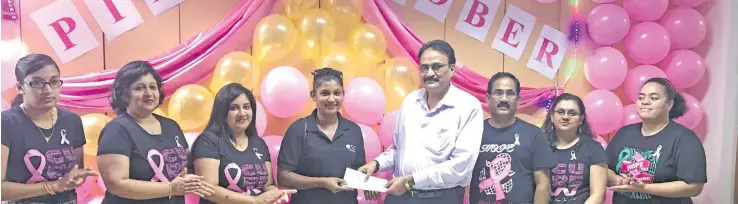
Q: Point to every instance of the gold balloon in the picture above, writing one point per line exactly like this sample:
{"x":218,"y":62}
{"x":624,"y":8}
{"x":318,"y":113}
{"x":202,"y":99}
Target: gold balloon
{"x":341,"y":58}
{"x":401,"y":76}
{"x":369,"y":43}
{"x":294,"y":9}
{"x":190,"y":106}
{"x":93,"y":124}
{"x":235,"y":67}
{"x":274,"y":37}
{"x":346,"y":12}
{"x":318,"y":31}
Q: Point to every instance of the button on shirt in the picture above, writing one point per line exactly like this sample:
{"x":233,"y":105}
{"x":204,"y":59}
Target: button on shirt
{"x":436,"y":146}
{"x":307,"y":151}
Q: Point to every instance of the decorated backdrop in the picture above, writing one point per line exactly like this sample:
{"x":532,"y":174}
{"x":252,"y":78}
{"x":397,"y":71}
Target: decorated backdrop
{"x":600,"y":50}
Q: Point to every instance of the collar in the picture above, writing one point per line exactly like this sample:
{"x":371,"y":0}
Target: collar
{"x":448,"y":100}
{"x":312,"y":122}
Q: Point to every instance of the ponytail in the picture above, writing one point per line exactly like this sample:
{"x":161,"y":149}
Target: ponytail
{"x":679,"y":107}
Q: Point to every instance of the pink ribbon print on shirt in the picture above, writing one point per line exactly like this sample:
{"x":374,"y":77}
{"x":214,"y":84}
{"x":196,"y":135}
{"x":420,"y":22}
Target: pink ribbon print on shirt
{"x":56,"y":162}
{"x":172,"y":160}
{"x":36,"y":173}
{"x":499,"y":168}
{"x":233,"y":181}
{"x":254,"y":178}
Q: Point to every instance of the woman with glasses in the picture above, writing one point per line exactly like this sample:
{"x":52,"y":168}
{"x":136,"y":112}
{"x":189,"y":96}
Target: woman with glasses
{"x":41,"y":144}
{"x":580,"y":174}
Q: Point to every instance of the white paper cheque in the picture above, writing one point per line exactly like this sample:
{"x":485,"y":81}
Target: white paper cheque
{"x":355,"y":179}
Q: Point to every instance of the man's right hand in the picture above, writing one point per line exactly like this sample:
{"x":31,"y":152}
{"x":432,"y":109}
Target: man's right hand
{"x":335,"y":185}
{"x":368,"y":169}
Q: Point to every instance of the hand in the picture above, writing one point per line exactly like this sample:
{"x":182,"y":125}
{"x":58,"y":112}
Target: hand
{"x":371,"y":195}
{"x":72,"y":179}
{"x":623,"y":179}
{"x":285,"y":196}
{"x":335,"y":185}
{"x":183,"y":184}
{"x":635,"y":185}
{"x":368,"y":169}
{"x":269,"y":197}
{"x":203,"y":189}
{"x":396,"y":186}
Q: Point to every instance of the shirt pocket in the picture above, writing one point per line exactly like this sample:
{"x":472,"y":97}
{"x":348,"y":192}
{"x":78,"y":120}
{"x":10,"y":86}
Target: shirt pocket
{"x":439,"y":139}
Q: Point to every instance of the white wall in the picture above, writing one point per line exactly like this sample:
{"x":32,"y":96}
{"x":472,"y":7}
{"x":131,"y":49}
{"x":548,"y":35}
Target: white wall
{"x":719,"y":91}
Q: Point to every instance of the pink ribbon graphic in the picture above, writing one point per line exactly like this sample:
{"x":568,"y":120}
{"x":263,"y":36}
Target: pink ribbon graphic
{"x":35,"y":173}
{"x":158,"y":169}
{"x":495,"y":178}
{"x":233,"y":181}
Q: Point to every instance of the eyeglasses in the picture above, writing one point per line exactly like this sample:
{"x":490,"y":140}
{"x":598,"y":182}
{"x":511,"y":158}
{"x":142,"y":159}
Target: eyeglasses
{"x":54,"y":83}
{"x":501,"y":93}
{"x":571,"y":113}
{"x":435,"y":66}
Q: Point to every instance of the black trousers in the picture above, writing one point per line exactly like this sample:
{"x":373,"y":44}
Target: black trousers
{"x":442,"y":196}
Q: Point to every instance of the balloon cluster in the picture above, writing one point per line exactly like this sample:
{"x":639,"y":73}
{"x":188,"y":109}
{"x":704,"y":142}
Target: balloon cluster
{"x":660,"y":43}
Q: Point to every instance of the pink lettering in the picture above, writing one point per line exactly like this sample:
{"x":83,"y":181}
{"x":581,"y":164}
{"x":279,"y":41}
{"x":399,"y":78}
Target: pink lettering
{"x":544,"y":52}
{"x":248,"y":170}
{"x":510,"y":31}
{"x":566,"y":191}
{"x":170,"y":155}
{"x":113,"y":11}
{"x":54,"y":156}
{"x":261,"y":169}
{"x":576,"y":168}
{"x":62,"y":33}
{"x":559,"y":180}
{"x":69,"y":154}
{"x":560,"y":169}
{"x":181,"y":153}
{"x":575,"y":181}
{"x":476,"y":5}
{"x":497,"y":148}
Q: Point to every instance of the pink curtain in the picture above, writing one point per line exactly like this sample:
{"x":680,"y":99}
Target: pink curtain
{"x":189,"y":63}
{"x":402,"y":42}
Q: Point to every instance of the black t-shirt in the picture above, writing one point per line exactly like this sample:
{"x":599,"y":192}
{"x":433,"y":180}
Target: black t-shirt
{"x":157,"y":158}
{"x":570,"y":177}
{"x":31,"y":159}
{"x":673,"y":154}
{"x":244,"y":172}
{"x":507,"y":159}
{"x":307,"y":151}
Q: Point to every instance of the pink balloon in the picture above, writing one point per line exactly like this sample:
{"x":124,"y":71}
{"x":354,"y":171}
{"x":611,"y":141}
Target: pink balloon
{"x":606,"y":68}
{"x":191,"y":199}
{"x":686,"y":27}
{"x":261,"y":119}
{"x":387,"y":129}
{"x":647,"y":43}
{"x":600,"y":140}
{"x":372,"y":145}
{"x":688,"y":3}
{"x":546,"y":1}
{"x":608,"y":24}
{"x":364,"y":101}
{"x":694,"y":113}
{"x":684,"y":68}
{"x":284,"y":91}
{"x":604,"y":111}
{"x":649,"y":10}
{"x":603,"y":1}
{"x":637,"y":76}
{"x":630,"y":115}
{"x":274,"y":143}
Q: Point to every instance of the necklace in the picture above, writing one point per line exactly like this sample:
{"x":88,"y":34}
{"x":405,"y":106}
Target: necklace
{"x":239,"y":144}
{"x":53,"y":125}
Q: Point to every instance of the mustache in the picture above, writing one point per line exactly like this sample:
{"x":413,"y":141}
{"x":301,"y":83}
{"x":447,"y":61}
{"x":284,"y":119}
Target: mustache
{"x":425,"y":79}
{"x":503,"y":104}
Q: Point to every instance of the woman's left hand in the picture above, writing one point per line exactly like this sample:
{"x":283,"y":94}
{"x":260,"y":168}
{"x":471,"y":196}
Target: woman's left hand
{"x":635,"y":185}
{"x":285,"y":196}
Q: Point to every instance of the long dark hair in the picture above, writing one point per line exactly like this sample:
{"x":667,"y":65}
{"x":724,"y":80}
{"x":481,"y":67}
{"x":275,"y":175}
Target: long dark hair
{"x":549,"y":130}
{"x":120,"y":95}
{"x":217,"y":124}
{"x":30,"y":64}
{"x":679,"y":107}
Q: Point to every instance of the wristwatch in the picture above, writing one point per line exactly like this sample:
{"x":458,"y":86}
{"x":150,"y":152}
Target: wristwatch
{"x":409,"y":183}
{"x":376,"y":168}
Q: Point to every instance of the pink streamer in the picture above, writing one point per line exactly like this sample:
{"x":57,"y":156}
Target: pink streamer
{"x":402,"y":42}
{"x":189,"y":63}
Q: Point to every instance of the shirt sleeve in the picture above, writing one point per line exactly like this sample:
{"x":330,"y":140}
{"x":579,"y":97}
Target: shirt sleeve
{"x":6,"y":137}
{"x":461,"y":162}
{"x":690,"y":159}
{"x":79,"y":139}
{"x":290,"y":151}
{"x":267,"y":157}
{"x":360,"y":156}
{"x":597,"y":153}
{"x":542,"y":153}
{"x":114,"y":139}
{"x":206,"y":146}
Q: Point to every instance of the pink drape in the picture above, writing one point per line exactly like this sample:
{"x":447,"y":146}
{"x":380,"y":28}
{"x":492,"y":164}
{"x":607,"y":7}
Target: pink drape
{"x":189,"y":63}
{"x":402,"y":42}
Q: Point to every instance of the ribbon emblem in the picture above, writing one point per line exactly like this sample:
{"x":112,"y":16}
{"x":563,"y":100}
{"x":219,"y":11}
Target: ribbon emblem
{"x":658,"y":153}
{"x":158,"y":169}
{"x":64,"y":137}
{"x":517,"y":139}
{"x":257,"y":153}
{"x":176,"y":139}
{"x":233,"y":181}
{"x":500,"y":168}
{"x":573,"y":155}
{"x":35,"y":173}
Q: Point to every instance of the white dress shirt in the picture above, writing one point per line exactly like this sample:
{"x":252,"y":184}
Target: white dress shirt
{"x":438,"y":147}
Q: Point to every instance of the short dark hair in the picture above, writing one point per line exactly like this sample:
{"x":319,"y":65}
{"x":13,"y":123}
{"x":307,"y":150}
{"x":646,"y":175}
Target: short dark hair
{"x":441,"y":46}
{"x":680,"y":106}
{"x":125,"y":77}
{"x":500,"y":75}
{"x":326,"y":74}
{"x":549,"y":130}
{"x":217,"y":124}
{"x":30,"y":64}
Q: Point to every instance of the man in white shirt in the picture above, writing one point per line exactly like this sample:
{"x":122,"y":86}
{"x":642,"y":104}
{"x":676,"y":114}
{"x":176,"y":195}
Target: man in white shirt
{"x":437,"y":137}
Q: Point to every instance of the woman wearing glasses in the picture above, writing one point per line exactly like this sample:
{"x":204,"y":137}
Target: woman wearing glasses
{"x":42,"y":152}
{"x":580,"y":174}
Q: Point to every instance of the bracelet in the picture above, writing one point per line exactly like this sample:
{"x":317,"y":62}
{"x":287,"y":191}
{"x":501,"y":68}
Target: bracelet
{"x":48,"y":188}
{"x":170,"y":191}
